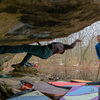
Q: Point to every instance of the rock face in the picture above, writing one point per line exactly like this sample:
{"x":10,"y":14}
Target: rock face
{"x":11,"y":86}
{"x":58,"y":17}
{"x":21,"y":28}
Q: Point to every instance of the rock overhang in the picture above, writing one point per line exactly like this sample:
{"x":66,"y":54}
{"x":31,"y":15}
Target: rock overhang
{"x":29,"y":21}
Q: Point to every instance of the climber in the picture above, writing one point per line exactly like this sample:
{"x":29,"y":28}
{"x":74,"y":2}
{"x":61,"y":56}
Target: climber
{"x":40,"y":51}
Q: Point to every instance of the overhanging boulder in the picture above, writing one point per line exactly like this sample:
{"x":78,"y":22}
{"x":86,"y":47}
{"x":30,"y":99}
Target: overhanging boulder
{"x":58,"y":17}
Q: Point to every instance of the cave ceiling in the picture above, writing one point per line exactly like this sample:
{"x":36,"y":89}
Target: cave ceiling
{"x":28,"y":21}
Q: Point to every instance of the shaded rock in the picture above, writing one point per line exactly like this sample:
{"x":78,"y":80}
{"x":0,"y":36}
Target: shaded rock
{"x":59,"y":17}
{"x":21,"y":28}
{"x":5,"y":57}
{"x":7,"y":88}
{"x":11,"y":86}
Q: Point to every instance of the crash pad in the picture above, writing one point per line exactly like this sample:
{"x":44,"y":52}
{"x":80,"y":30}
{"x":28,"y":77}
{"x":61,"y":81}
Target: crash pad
{"x":65,"y":84}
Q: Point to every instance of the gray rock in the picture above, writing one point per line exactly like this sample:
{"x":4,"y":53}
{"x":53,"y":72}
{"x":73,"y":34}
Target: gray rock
{"x":21,"y":28}
{"x":41,"y":36}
